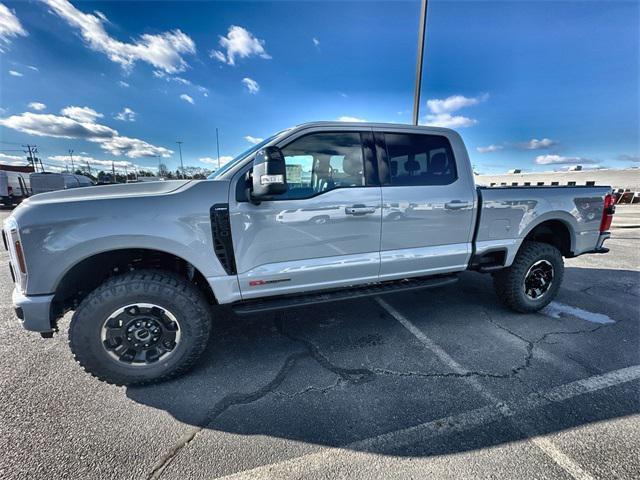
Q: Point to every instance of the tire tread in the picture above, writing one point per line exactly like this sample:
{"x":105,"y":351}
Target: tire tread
{"x":145,"y":280}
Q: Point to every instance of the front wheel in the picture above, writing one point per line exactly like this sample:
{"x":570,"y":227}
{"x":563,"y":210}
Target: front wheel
{"x":533,"y":279}
{"x":141,"y":327}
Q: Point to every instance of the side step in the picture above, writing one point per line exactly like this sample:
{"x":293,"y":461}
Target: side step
{"x":300,"y":300}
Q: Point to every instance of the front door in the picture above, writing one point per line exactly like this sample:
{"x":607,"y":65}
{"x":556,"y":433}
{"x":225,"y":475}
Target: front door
{"x":428,"y":205}
{"x":325,"y":231}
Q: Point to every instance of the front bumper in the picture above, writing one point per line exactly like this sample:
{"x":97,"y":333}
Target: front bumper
{"x":34,"y":311}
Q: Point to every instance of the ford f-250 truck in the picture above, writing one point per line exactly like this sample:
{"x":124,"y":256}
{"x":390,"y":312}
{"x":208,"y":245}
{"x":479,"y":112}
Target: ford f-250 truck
{"x":319,"y":212}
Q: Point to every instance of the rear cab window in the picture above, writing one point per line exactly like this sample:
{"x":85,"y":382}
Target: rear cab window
{"x":419,"y":159}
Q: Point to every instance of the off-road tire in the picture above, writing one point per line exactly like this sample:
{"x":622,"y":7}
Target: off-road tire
{"x":509,"y":282}
{"x":165,"y":289}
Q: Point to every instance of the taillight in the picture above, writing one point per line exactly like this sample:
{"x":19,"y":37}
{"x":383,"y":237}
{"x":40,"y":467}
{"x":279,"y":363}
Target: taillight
{"x":607,"y":212}
{"x":20,"y":255}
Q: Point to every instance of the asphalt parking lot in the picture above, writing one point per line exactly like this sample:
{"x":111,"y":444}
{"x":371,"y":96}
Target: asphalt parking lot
{"x":441,"y":383}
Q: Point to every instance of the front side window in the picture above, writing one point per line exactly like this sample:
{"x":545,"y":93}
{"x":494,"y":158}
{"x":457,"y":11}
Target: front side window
{"x":416,"y":159}
{"x":320,"y":162}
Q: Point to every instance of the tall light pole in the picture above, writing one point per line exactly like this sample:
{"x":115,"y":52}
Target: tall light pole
{"x":218,"y":147}
{"x":181,"y":165}
{"x":73,"y":168}
{"x":421,"y":36}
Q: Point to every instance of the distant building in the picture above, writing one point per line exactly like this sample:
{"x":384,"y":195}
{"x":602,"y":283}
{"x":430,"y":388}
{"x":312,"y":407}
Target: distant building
{"x":626,"y":179}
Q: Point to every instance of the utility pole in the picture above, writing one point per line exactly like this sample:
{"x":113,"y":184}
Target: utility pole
{"x":31,"y":151}
{"x":181,"y":165}
{"x":218,"y":147}
{"x":421,"y":36}
{"x":73,"y":167}
{"x":89,"y":167}
{"x":113,"y":172}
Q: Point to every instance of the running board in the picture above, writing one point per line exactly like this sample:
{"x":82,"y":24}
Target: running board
{"x":300,"y":300}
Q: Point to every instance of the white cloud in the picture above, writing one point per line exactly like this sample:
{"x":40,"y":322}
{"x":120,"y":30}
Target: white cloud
{"x":124,"y":84}
{"x":629,"y":158}
{"x":15,"y":73}
{"x":37,"y":106}
{"x":535,"y":144}
{"x":454,"y":103}
{"x":561,"y":160}
{"x":218,"y":55}
{"x":81,"y":114}
{"x":187,"y":98}
{"x":85,"y":128}
{"x":48,"y":125}
{"x":252,"y":86}
{"x":31,"y":67}
{"x":347,"y":118}
{"x":164,"y":50}
{"x":10,"y":27}
{"x":239,"y":43}
{"x":182,"y":81}
{"x":489,"y":148}
{"x":447,"y":120}
{"x":214,"y":161}
{"x":441,"y":109}
{"x":315,"y":41}
{"x":126,"y":115}
{"x":132,"y":147}
{"x":253,"y":140}
{"x":81,"y":161}
{"x":12,"y":159}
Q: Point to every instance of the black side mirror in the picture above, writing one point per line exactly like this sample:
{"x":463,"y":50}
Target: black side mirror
{"x":269,"y":174}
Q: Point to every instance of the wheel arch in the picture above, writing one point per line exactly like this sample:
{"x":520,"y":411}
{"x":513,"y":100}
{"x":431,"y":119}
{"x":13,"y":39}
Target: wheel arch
{"x":87,"y":273}
{"x":555,"y":231}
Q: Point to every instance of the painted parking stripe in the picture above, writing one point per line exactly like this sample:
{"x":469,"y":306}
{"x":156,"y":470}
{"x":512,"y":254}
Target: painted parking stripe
{"x":545,"y":445}
{"x":424,"y":432}
{"x":558,"y":310}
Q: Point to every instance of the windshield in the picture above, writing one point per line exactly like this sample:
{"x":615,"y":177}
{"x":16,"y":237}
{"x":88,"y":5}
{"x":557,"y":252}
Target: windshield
{"x":230,"y":164}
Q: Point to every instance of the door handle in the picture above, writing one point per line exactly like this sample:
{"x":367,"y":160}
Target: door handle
{"x":357,"y":210}
{"x":456,"y":205}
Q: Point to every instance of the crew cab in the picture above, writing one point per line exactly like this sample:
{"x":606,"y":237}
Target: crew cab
{"x":320,"y":212}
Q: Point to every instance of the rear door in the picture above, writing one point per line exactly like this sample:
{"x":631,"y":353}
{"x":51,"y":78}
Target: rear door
{"x":325,"y":231}
{"x":428,"y":204}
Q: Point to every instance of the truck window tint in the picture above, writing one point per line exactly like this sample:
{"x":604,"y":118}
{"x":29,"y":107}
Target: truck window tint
{"x":420,"y":159}
{"x":321,"y":162}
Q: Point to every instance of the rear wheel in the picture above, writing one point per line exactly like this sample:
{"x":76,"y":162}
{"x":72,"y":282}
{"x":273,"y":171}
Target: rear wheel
{"x":533,"y":279}
{"x":141,"y":327}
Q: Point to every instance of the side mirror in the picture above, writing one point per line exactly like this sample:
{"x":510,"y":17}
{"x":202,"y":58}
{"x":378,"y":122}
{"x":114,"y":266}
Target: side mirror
{"x":269,"y":174}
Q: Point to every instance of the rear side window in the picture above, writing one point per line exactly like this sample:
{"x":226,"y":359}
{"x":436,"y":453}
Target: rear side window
{"x":420,"y":159}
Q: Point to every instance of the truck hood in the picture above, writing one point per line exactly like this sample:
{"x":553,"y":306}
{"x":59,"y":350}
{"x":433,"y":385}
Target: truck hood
{"x":103,"y":192}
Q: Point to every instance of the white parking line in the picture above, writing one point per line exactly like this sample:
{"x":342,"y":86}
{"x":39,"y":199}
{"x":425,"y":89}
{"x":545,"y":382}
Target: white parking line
{"x":558,"y":310}
{"x":542,"y":443}
{"x":299,"y":467}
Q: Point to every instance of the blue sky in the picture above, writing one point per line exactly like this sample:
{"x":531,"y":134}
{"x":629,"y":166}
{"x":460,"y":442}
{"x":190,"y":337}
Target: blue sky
{"x":531,"y":85}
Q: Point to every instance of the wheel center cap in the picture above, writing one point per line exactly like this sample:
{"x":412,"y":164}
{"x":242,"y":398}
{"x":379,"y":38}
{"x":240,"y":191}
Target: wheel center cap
{"x":142,"y":334}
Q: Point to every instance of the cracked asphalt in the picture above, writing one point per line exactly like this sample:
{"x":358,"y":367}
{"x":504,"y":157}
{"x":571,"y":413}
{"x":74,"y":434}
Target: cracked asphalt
{"x":441,"y":383}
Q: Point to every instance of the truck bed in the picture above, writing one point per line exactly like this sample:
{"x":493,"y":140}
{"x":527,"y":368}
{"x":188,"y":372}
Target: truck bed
{"x":507,"y":214}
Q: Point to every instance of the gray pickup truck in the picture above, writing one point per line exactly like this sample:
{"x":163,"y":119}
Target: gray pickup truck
{"x":319,"y":212}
